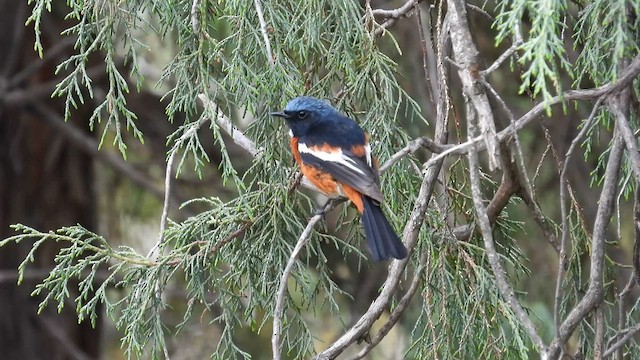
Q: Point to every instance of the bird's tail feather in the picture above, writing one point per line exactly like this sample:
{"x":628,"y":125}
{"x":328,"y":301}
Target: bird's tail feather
{"x":382,"y":239}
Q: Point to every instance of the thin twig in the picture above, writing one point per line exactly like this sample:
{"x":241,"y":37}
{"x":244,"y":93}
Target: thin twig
{"x":504,"y":56}
{"x":431,"y":85}
{"x":622,"y":297}
{"x":265,"y":32}
{"x":412,"y":147}
{"x":630,"y":334}
{"x":238,"y":137}
{"x":481,"y":11}
{"x":153,"y":253}
{"x":392,"y":16}
{"x":278,"y":311}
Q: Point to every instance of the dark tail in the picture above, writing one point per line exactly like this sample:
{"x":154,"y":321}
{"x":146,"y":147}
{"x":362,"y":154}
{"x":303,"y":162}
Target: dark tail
{"x":382,"y":239}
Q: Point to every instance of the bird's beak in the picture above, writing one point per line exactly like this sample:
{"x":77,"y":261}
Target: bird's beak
{"x":281,"y":114}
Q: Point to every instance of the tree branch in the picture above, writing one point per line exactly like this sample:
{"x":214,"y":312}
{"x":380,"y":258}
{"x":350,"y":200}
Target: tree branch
{"x":492,"y":255}
{"x":265,"y":33}
{"x":467,"y":55}
{"x":413,"y":146}
{"x":399,"y":309}
{"x":594,"y":294}
{"x":585,"y":94}
{"x":153,"y":253}
{"x":630,"y":334}
{"x":278,"y":311}
{"x":392,"y":16}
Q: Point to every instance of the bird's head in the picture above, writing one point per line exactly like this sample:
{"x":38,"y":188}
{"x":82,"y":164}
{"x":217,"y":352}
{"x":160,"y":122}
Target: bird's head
{"x":304,"y":112}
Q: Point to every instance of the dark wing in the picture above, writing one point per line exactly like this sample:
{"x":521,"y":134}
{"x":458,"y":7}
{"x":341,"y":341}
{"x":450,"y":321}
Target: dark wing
{"x":344,"y":166}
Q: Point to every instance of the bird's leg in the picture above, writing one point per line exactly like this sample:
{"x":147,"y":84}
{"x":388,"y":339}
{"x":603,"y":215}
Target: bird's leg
{"x":329,"y":205}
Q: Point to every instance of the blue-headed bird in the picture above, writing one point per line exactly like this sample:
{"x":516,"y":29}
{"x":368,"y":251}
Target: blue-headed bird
{"x":333,"y":152}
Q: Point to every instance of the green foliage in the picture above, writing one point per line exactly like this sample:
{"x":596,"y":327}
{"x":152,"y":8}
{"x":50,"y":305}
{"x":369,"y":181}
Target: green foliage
{"x":237,"y":249}
{"x":543,"y":48}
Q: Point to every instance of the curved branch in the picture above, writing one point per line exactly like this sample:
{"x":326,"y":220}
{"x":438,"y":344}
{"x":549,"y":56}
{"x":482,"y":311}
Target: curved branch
{"x":278,"y":311}
{"x":399,"y":310}
{"x":392,"y":16}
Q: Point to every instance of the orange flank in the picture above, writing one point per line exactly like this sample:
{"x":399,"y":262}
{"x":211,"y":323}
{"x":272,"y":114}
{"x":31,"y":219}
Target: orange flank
{"x":359,"y":151}
{"x":355,"y":197}
{"x":294,"y":149}
{"x":323,"y":180}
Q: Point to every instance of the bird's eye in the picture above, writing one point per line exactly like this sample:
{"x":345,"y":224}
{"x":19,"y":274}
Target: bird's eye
{"x":302,"y":114}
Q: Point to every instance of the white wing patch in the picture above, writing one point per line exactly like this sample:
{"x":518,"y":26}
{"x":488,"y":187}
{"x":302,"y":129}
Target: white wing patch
{"x":367,"y":151}
{"x":336,"y":157}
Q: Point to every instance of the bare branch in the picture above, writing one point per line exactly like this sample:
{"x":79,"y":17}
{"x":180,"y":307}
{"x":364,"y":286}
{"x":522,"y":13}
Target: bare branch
{"x":278,"y":311}
{"x":617,"y":105}
{"x":599,"y":333}
{"x":399,"y":310}
{"x":467,"y":55}
{"x":153,"y":253}
{"x":195,"y":24}
{"x":622,"y":297}
{"x":504,"y":56}
{"x":629,"y":334}
{"x":410,"y":237}
{"x":412,"y":147}
{"x":636,"y":243}
{"x":238,"y":137}
{"x":392,"y":16}
{"x":265,"y":33}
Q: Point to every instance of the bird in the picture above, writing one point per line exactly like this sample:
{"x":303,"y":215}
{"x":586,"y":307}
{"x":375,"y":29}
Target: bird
{"x":334,"y":154}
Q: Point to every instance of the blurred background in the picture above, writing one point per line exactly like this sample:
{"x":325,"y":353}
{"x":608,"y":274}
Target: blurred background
{"x":52,"y":175}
